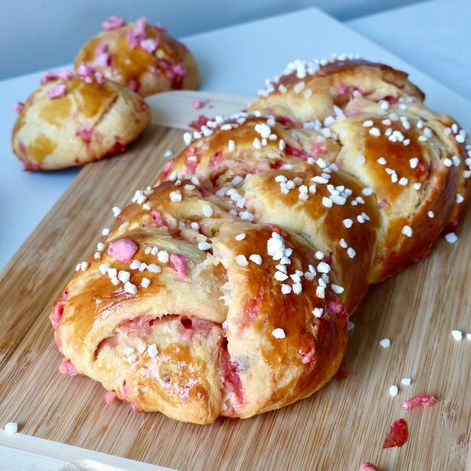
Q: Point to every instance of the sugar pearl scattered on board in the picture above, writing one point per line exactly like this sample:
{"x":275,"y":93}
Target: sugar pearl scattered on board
{"x":457,"y":335}
{"x":11,"y":428}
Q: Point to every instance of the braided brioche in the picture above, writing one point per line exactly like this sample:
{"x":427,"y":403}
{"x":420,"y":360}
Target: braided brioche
{"x":225,"y":289}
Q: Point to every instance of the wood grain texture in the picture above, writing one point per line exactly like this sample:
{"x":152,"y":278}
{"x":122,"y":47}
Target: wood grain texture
{"x":338,"y":428}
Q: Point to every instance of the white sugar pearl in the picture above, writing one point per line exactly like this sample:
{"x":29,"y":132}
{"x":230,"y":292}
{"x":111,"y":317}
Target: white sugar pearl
{"x":135,"y":264}
{"x":152,"y":350}
{"x":286,"y":289}
{"x":385,"y":343}
{"x":337,"y":289}
{"x":406,"y":381}
{"x":451,"y":237}
{"x":130,"y":288}
{"x":393,"y":390}
{"x":153,"y":268}
{"x":255,"y":258}
{"x":207,"y":211}
{"x":242,"y":260}
{"x":457,"y":335}
{"x":280,"y":276}
{"x":348,"y":223}
{"x":297,"y":288}
{"x":141,"y":346}
{"x":203,"y":245}
{"x":351,"y":252}
{"x":407,"y":231}
{"x":279,"y":333}
{"x":175,"y":196}
{"x":124,"y":276}
{"x":323,"y":267}
{"x":11,"y":428}
{"x":163,"y":256}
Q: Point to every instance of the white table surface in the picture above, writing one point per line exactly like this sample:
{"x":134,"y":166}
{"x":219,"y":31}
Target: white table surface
{"x":235,"y":59}
{"x":433,"y":36}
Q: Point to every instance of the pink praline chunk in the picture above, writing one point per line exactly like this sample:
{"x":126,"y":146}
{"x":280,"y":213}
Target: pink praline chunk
{"x":113,"y":22}
{"x":67,"y":368}
{"x":122,"y":250}
{"x":58,"y":91}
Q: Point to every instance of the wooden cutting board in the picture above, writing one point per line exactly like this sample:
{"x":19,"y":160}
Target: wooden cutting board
{"x":338,"y":428}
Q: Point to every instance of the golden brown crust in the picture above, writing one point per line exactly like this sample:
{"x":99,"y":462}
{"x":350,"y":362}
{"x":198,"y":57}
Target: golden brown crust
{"x":89,"y":119}
{"x":417,"y":173}
{"x":269,"y":237}
{"x":314,"y":90}
{"x":215,"y":167}
{"x":206,"y":325}
{"x":118,"y":55}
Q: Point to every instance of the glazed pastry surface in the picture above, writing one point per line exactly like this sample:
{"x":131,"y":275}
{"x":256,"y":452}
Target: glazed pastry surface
{"x":225,"y":289}
{"x":141,"y":56}
{"x":76,"y":118}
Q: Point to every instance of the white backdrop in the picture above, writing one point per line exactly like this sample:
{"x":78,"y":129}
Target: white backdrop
{"x":37,"y":34}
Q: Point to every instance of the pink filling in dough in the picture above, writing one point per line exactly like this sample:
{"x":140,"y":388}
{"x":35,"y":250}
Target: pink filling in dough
{"x":58,"y":310}
{"x":230,"y":371}
{"x":178,"y":262}
{"x":157,"y":218}
{"x":296,"y":152}
{"x":57,"y":313}
{"x":85,"y":134}
{"x":318,"y":148}
{"x":167,"y":168}
{"x":191,"y":166}
{"x":139,"y":326}
{"x":308,"y":357}
{"x":216,"y":158}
